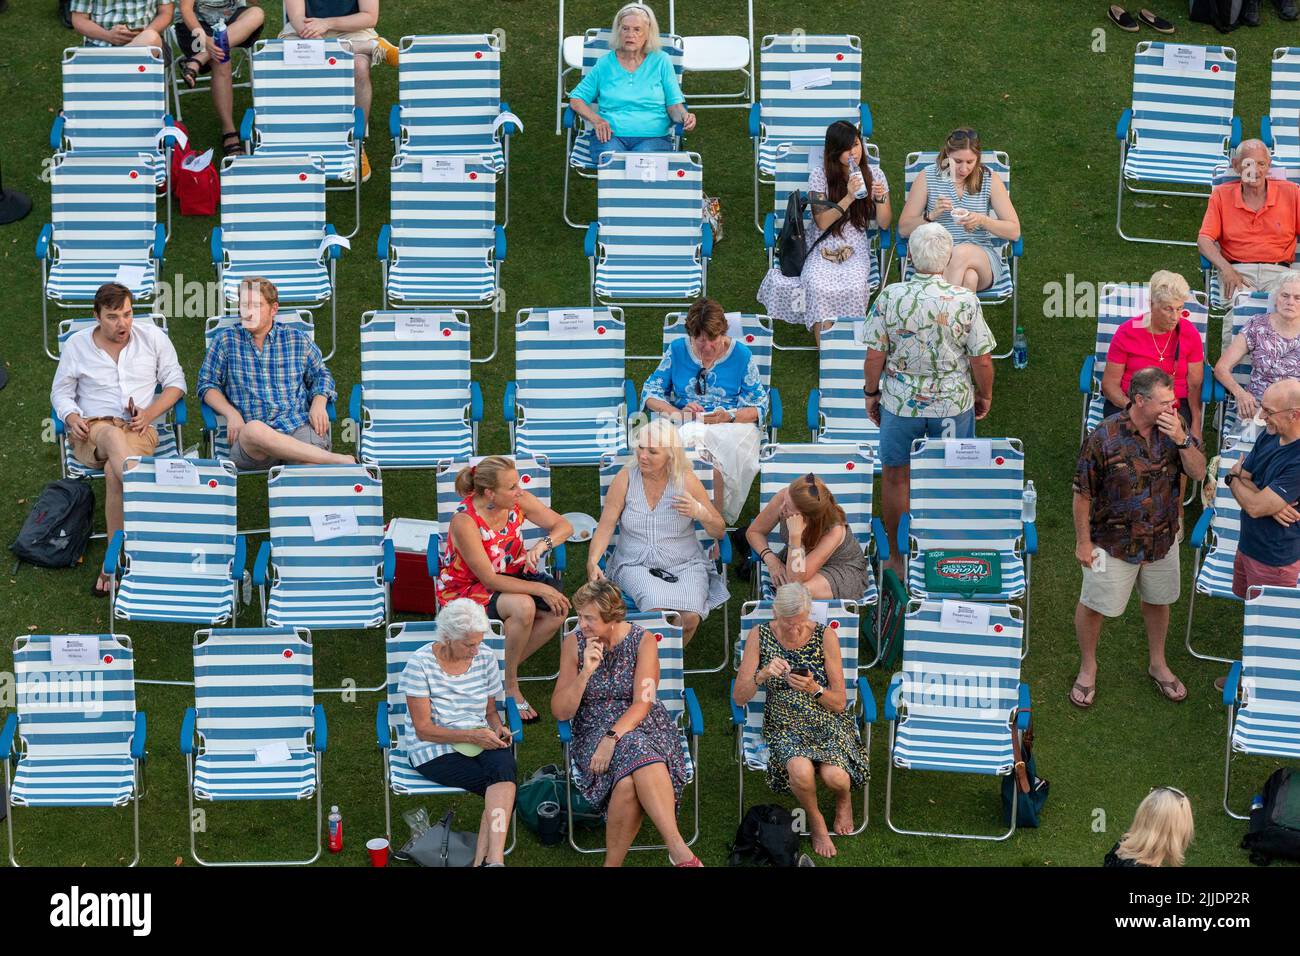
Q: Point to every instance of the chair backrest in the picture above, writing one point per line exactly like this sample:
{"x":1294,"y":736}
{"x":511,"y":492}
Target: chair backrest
{"x":595,"y":44}
{"x":73,"y":709}
{"x":449,"y":90}
{"x":965,"y":506}
{"x":1245,"y":306}
{"x":806,"y":83}
{"x":650,"y":219}
{"x":534,"y":477}
{"x":253,"y":688}
{"x":114,"y":98}
{"x":297,"y":494}
{"x":403,"y":640}
{"x":1121,"y":301}
{"x":304,"y":104}
{"x":1284,"y":105}
{"x":753,"y":329}
{"x":1176,"y":110}
{"x":965,"y":670}
{"x":443,"y":219}
{"x":611,"y":465}
{"x":1270,"y":650}
{"x":103,"y":207}
{"x":668,"y":640}
{"x":793,"y":167}
{"x":569,"y":376}
{"x":847,"y":470}
{"x":410,"y":376}
{"x":272,"y":208}
{"x":1226,"y":524}
{"x":839,"y":378}
{"x":70,"y":327}
{"x":180,"y":530}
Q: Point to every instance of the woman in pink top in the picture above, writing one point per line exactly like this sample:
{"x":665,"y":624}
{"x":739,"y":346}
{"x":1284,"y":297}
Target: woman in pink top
{"x":1162,"y":337}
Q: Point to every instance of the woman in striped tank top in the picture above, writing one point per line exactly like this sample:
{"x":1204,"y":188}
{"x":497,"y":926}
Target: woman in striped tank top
{"x":957,"y":191}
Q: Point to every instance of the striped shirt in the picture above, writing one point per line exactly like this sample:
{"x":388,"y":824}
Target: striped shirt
{"x":274,"y":385}
{"x":458,"y":702}
{"x":136,"y":14}
{"x":938,"y":186}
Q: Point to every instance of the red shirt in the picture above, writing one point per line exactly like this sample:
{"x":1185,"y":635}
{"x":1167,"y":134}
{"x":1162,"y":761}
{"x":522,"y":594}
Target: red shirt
{"x":1138,"y":348}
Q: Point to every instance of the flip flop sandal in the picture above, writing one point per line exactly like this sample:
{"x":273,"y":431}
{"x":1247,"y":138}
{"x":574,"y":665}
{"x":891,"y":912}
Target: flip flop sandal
{"x":230,"y":144}
{"x":522,"y":706}
{"x":1122,"y":18}
{"x":95,"y":591}
{"x":1159,"y":24}
{"x":190,"y":70}
{"x":1168,"y":689}
{"x":1084,"y":692}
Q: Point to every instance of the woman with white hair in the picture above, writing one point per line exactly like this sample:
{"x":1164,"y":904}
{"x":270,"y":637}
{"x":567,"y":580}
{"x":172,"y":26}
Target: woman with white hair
{"x":809,"y":734}
{"x":1272,"y":340}
{"x":1164,"y":338}
{"x":1161,"y":832}
{"x":454,"y":735}
{"x":655,"y":502}
{"x":634,"y":87}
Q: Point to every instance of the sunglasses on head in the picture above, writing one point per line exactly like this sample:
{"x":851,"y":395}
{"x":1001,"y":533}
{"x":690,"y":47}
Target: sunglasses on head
{"x":1173,"y":790}
{"x":812,"y":486}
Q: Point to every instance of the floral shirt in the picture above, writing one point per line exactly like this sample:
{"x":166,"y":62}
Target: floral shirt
{"x":1272,"y":357}
{"x":928,"y":329}
{"x":504,"y":548}
{"x":732,"y":382}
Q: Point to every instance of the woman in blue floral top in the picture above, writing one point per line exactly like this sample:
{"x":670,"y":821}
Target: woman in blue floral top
{"x":710,"y":383}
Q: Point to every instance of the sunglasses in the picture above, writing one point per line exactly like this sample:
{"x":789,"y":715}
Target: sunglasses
{"x":701,"y":381}
{"x":1173,"y":790}
{"x":812,"y":486}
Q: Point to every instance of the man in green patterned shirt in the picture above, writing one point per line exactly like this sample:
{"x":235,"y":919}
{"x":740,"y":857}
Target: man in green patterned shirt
{"x":121,"y":22}
{"x":928,"y":370}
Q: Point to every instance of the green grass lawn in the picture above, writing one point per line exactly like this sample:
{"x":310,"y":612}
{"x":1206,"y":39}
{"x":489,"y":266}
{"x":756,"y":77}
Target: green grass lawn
{"x":1028,"y":79}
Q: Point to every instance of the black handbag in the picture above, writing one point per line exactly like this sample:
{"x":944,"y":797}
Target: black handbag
{"x":791,"y":247}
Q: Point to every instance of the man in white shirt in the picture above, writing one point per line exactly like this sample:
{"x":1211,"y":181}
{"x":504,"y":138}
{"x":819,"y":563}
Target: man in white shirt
{"x":104,"y":393}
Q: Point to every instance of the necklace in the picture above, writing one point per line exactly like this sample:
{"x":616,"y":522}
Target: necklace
{"x":1160,"y":352}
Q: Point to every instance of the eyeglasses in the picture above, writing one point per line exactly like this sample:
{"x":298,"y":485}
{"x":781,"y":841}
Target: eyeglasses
{"x":701,"y":381}
{"x":1278,"y":411}
{"x":812,"y":486}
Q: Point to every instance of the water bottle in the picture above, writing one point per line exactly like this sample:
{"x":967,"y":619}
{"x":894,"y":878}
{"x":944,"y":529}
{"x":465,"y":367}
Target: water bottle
{"x":1029,"y":503}
{"x":1256,"y":803}
{"x":222,"y":39}
{"x":336,"y":830}
{"x":1020,"y":349}
{"x":860,"y":193}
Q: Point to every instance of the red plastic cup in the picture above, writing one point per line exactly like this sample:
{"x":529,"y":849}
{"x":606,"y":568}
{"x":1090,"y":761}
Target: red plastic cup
{"x":378,"y":850}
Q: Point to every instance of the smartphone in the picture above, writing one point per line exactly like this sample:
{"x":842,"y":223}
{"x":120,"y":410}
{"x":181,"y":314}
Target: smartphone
{"x":664,"y":575}
{"x":801,"y":670}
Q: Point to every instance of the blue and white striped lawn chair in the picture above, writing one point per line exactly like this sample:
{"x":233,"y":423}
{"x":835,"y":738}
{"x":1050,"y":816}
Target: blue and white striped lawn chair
{"x":577,"y":132}
{"x":806,"y":83}
{"x":442,"y":246}
{"x":308,"y":109}
{"x":115,"y":103}
{"x":974,"y":508}
{"x":719,"y":54}
{"x":241,"y":73}
{"x":1007,"y":288}
{"x":837,"y":413}
{"x":751,"y":749}
{"x":650,"y":246}
{"x":1226,"y":174}
{"x":570,"y":399}
{"x":958,"y":701}
{"x":273,"y":226}
{"x":400,"y":778}
{"x":755,"y":331}
{"x":103,"y":228}
{"x":80,"y":739}
{"x":415,"y":404}
{"x":848,"y":471}
{"x":180,"y":556}
{"x":1180,"y":126}
{"x":1245,"y":306}
{"x":1262,"y":692}
{"x":449,"y":102}
{"x":260,"y":734}
{"x":678,"y":699}
{"x":1280,"y":129}
{"x":321,"y":572}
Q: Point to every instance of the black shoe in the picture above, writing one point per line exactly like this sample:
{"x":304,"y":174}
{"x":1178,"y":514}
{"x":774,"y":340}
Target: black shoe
{"x":1286,"y":9}
{"x":1250,"y":13}
{"x":65,"y":13}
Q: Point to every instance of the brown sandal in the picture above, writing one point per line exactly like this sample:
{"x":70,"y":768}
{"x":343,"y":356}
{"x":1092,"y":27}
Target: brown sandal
{"x":1169,"y":689}
{"x":1087,"y":694}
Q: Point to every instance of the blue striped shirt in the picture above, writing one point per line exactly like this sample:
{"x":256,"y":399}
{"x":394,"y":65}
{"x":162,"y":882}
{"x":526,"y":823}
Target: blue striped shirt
{"x":275,"y":385}
{"x":456,"y":701}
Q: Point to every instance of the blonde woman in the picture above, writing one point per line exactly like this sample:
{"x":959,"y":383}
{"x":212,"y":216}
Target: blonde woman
{"x":1161,"y":831}
{"x":658,"y":561}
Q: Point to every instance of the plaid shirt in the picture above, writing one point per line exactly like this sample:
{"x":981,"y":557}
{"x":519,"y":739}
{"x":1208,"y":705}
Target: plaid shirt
{"x":136,"y":14}
{"x":275,"y":385}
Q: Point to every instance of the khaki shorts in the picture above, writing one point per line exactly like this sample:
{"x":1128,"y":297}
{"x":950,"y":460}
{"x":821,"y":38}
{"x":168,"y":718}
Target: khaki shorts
{"x":91,"y":451}
{"x":303,"y":433}
{"x":362,"y":41}
{"x":1107,"y":591}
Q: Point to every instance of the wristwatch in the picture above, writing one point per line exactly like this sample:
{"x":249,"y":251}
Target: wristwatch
{"x":731,"y":415}
{"x":1188,"y":441}
{"x":869,"y":394}
{"x":613,"y":735}
{"x":820,"y":691}
{"x":1230,"y":478}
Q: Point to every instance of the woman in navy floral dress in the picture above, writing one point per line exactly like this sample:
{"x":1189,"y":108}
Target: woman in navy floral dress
{"x":626,"y":750}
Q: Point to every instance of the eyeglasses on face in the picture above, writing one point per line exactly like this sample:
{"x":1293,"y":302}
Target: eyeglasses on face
{"x":1267,"y":413}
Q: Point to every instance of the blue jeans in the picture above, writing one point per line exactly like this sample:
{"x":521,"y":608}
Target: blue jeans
{"x":629,"y":144}
{"x":897,"y":433}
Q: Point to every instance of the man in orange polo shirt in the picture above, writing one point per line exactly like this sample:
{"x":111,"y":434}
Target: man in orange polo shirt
{"x":1250,"y":226}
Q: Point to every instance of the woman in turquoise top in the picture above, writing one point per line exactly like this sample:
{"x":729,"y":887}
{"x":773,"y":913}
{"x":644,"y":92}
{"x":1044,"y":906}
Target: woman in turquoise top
{"x":635,"y":88}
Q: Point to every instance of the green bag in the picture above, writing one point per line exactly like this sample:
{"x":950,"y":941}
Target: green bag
{"x":892,"y":609}
{"x":963,"y":572}
{"x":547,"y":783}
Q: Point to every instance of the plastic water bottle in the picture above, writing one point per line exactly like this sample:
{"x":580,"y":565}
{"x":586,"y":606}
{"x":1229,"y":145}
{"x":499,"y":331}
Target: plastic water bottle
{"x":336,"y":830}
{"x":1020,"y":349}
{"x":222,"y":40}
{"x":1256,"y":803}
{"x":1029,"y":503}
{"x":860,"y":193}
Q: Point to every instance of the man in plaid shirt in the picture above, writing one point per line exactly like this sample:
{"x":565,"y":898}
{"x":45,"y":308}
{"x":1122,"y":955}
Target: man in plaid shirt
{"x":270,"y":383}
{"x":121,"y":22}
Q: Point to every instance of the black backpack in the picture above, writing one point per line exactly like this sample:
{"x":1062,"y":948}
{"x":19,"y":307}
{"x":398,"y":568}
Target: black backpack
{"x":790,"y":245}
{"x":1274,"y":832}
{"x":57,"y":529}
{"x":766,"y":837}
{"x":1221,"y":13}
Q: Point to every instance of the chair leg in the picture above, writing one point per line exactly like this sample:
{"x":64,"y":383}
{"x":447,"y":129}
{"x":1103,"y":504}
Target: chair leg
{"x":307,"y":862}
{"x":1227,"y":768}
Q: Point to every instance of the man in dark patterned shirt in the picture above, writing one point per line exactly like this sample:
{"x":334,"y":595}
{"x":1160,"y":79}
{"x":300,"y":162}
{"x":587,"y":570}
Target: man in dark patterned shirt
{"x":1127,"y":523}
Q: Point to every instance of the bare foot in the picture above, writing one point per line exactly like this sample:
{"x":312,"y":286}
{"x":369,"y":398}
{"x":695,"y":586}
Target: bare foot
{"x":844,"y":815}
{"x":822,"y":845}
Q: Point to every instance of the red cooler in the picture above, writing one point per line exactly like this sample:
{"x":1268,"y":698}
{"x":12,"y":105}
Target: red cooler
{"x":413,"y":589}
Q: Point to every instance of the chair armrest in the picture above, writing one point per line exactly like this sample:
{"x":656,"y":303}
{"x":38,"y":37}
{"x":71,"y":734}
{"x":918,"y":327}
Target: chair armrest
{"x":678,"y":130}
{"x":570,"y":119}
{"x":1085,"y":374}
{"x":756,"y":120}
{"x":590,"y":239}
{"x":320,"y":734}
{"x":43,"y":241}
{"x":113,"y":555}
{"x":881,"y":539}
{"x":1024,"y":710}
{"x":330,"y":411}
{"x":769,"y":231}
{"x":1220,"y":394}
{"x":390,"y":561}
{"x":358,"y":124}
{"x":868,"y":700}
{"x":138,"y":737}
{"x":395,"y":121}
{"x":56,"y":132}
{"x":513,"y":721}
{"x":776,"y":412}
{"x":564,"y":730}
{"x":508,"y":128}
{"x":560,"y":559}
{"x":7,"y":736}
{"x":901,"y":242}
{"x":382,"y":735}
{"x":59,"y":427}
{"x":886,"y":238}
{"x":385,"y":240}
{"x":1231,"y":685}
{"x":706,"y":240}
{"x":1121,"y":128}
{"x":724,"y":549}
{"x":1235,"y":138}
{"x":1031,"y":537}
{"x":508,"y":402}
{"x":814,"y":412}
{"x":499,"y":249}
{"x":1266,"y":130}
{"x":864,"y":118}
{"x":159,"y":240}
{"x":475,"y":402}
{"x":354,"y":403}
{"x":1018,"y":247}
{"x":246,"y":124}
{"x":630,"y":398}
{"x":737,"y":712}
{"x":208,"y":415}
{"x":1207,"y":384}
{"x":1206,"y":265}
{"x":260,"y":565}
{"x":1197,"y":539}
{"x":180,"y":413}
{"x":241,"y":558}
{"x":891,"y":697}
{"x":216,"y":247}
{"x":694,"y":715}
{"x":904,"y":531}
{"x":334,"y":251}
{"x":187,"y":732}
{"x":432,"y":562}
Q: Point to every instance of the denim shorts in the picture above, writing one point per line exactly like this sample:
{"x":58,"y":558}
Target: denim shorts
{"x":897,"y":433}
